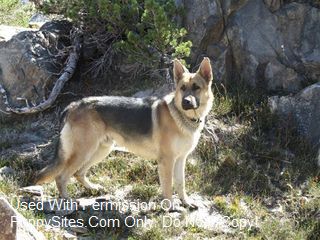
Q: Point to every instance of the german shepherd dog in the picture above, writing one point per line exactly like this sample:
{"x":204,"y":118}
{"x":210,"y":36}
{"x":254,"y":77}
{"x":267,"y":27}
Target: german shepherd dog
{"x":166,"y":129}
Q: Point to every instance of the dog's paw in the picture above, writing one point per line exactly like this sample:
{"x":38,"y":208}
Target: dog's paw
{"x":187,"y":203}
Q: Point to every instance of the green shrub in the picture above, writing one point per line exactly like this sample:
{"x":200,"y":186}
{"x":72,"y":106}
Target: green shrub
{"x":144,"y":31}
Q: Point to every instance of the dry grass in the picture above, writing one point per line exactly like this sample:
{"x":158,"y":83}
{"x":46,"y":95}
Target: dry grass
{"x":14,"y":13}
{"x":260,"y":168}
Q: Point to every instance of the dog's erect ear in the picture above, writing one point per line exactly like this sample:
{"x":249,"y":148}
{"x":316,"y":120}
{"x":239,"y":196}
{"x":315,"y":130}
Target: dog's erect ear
{"x":205,"y":69}
{"x":178,"y":70}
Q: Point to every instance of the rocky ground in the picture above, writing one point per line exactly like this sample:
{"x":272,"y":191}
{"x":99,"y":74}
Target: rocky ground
{"x":252,"y":178}
{"x":255,"y":173}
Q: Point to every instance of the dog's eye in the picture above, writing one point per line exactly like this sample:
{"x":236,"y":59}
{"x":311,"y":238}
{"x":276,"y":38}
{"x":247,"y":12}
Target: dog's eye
{"x":195,"y":87}
{"x":183,"y":87}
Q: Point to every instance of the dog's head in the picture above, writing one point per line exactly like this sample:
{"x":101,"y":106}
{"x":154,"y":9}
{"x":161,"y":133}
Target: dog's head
{"x":193,"y":94}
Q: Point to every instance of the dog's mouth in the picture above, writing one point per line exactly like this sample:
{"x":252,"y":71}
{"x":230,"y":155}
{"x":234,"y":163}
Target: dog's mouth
{"x":189,"y":102}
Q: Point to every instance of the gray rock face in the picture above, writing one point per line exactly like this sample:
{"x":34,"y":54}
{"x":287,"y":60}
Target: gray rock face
{"x":31,"y":61}
{"x":33,"y":190}
{"x":304,"y":108}
{"x":6,"y":32}
{"x":37,"y":20}
{"x":6,"y":172}
{"x":265,"y":42}
{"x":208,"y":23}
{"x":273,"y":5}
{"x":271,"y":44}
{"x":14,"y":226}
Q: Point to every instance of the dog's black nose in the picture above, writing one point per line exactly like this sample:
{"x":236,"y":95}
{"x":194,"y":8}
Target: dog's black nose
{"x":187,"y":104}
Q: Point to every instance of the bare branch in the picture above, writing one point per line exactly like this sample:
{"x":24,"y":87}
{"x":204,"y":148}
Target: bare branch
{"x":66,"y":75}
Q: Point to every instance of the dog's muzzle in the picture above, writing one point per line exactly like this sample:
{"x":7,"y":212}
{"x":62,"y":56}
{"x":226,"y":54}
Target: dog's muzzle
{"x":189,"y":102}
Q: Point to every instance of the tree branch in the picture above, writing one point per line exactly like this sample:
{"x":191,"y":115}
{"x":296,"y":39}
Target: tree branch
{"x":66,"y":75}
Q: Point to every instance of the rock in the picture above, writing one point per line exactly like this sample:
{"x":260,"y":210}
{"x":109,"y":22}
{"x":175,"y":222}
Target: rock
{"x":85,"y":238}
{"x":37,"y":20}
{"x":69,"y":236}
{"x":157,"y":92}
{"x":278,"y":77}
{"x":272,"y":44}
{"x":205,"y":25}
{"x":61,"y":207}
{"x":79,"y":229}
{"x":253,"y":40}
{"x":47,"y":207}
{"x":278,"y":209}
{"x":304,"y":108}
{"x":34,"y":190}
{"x":61,"y":28}
{"x":229,"y":7}
{"x":6,"y":32}
{"x":31,"y":61}
{"x":6,"y":172}
{"x":273,"y":5}
{"x":65,"y":212}
{"x":14,"y":226}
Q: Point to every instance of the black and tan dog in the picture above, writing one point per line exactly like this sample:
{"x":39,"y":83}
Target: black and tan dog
{"x":165,"y":129}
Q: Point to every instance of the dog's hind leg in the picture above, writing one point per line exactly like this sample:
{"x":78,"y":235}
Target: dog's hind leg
{"x":70,"y":168}
{"x":86,"y":142}
{"x":101,"y":153}
{"x":62,"y":154}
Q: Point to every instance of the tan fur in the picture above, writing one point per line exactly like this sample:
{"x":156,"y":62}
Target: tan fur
{"x":86,"y":139}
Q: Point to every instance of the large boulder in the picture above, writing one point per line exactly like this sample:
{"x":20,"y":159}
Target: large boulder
{"x":273,"y":5}
{"x":304,"y":107}
{"x":274,"y":44}
{"x":14,"y":226}
{"x":31,"y":61}
{"x":6,"y":32}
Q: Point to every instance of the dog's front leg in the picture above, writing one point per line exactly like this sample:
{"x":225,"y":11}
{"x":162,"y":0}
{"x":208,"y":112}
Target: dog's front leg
{"x":179,"y":177}
{"x":165,"y":169}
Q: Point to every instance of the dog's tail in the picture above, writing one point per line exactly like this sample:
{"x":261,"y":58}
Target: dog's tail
{"x":49,"y":173}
